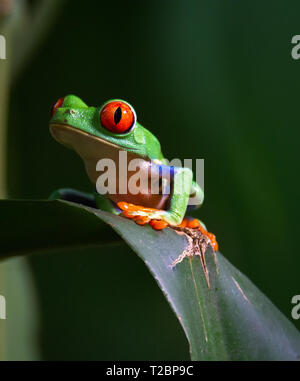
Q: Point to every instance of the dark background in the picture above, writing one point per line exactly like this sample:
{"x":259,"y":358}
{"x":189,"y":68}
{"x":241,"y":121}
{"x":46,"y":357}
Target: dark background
{"x":212,"y":80}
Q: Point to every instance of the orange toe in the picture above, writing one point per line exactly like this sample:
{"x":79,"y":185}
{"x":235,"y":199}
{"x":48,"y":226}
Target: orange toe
{"x":188,"y":223}
{"x":158,"y":224}
{"x":141,"y":220}
{"x":193,"y":224}
{"x":213,"y":241}
{"x":128,"y":215}
{"x":183,"y":223}
{"x":122,"y":205}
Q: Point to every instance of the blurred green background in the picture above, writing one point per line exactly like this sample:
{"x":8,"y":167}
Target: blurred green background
{"x":212,"y":80}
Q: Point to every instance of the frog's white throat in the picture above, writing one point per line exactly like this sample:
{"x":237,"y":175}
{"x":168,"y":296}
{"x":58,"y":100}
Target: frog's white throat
{"x":92,"y":149}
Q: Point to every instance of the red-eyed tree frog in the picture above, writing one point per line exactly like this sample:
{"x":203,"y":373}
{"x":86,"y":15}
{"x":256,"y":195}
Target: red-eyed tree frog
{"x":103,"y":132}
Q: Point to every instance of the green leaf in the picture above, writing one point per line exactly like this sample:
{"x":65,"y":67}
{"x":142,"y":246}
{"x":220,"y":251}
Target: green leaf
{"x":225,"y":319}
{"x":29,"y":226}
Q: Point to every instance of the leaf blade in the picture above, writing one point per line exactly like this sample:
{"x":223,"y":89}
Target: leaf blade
{"x":259,"y":332}
{"x":41,"y":225}
{"x":228,"y":320}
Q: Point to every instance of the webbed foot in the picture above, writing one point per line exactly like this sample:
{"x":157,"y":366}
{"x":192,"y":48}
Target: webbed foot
{"x":156,"y":218}
{"x":143,"y":215}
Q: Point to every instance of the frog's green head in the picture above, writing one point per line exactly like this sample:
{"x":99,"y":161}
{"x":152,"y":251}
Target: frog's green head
{"x":114,"y":124}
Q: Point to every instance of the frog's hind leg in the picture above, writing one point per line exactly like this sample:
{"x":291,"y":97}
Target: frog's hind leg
{"x":106,"y":205}
{"x":92,"y":200}
{"x":194,"y":223}
{"x":160,"y":218}
{"x":75,"y":196}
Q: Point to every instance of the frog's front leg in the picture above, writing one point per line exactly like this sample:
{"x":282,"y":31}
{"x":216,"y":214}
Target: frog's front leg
{"x":181,"y":190}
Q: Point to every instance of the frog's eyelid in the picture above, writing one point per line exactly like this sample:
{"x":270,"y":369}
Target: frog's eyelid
{"x":58,"y":104}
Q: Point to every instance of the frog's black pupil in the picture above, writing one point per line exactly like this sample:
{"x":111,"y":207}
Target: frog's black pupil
{"x":118,"y":115}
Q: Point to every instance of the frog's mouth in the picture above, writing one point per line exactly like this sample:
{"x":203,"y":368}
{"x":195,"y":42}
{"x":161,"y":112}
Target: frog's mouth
{"x":76,"y":138}
{"x":91,"y":148}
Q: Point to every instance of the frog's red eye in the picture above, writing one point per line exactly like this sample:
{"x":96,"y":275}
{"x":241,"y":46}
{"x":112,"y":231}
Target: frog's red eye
{"x":57,"y":105}
{"x":117,"y":117}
